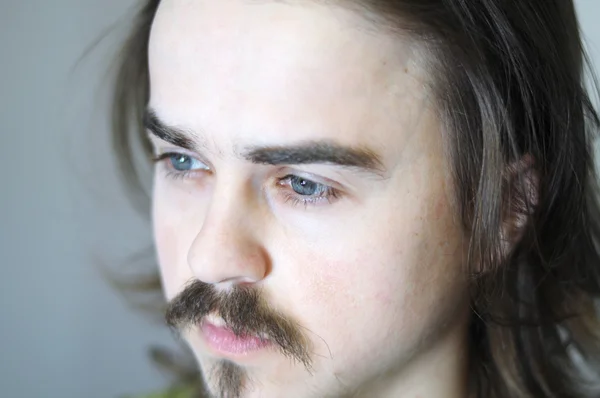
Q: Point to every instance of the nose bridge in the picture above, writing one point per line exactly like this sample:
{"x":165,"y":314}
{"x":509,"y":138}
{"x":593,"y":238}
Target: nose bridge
{"x":227,"y":247}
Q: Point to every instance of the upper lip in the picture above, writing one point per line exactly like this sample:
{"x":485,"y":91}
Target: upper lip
{"x":217,"y":321}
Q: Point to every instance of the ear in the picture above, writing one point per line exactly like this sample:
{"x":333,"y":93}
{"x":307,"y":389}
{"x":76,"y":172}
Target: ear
{"x":520,"y":200}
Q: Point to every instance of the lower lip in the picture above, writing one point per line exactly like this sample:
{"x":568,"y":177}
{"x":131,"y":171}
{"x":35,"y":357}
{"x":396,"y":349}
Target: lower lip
{"x":224,"y":341}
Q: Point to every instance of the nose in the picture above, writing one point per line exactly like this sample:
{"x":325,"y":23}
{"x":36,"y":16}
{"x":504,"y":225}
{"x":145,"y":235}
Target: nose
{"x":227,"y":250}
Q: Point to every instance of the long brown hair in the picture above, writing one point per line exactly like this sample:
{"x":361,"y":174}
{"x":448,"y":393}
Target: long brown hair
{"x":509,"y":84}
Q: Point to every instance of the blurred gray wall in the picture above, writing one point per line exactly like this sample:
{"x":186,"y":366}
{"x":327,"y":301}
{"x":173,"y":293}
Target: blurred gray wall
{"x":63,"y":332}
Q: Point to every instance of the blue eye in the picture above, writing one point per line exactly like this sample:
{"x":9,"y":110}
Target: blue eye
{"x":180,"y":164}
{"x":306,"y":187}
{"x":303,"y":191}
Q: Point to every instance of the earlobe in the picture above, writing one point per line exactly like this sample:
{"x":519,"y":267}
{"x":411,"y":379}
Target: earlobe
{"x":520,"y":200}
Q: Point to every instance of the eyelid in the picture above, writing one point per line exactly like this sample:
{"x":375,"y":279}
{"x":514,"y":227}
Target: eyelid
{"x":163,"y":153}
{"x":316,"y":178}
{"x":328,"y":194}
{"x":166,"y":155}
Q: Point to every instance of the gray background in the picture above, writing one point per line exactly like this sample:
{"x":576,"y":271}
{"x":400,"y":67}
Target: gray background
{"x":63,"y":331}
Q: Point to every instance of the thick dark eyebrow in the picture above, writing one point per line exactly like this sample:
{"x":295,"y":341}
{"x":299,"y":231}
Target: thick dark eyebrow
{"x":311,"y":152}
{"x":318,"y":152}
{"x":172,"y":135}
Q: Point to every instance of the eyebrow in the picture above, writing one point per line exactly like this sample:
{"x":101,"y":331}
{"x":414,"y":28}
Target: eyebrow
{"x":170,"y":134}
{"x":317,"y":152}
{"x":311,"y":152}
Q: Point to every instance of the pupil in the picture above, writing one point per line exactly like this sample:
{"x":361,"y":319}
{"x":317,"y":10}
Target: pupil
{"x":304,"y":187}
{"x":181,"y":162}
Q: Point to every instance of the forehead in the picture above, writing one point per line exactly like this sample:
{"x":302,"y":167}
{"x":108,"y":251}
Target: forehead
{"x":273,"y":70}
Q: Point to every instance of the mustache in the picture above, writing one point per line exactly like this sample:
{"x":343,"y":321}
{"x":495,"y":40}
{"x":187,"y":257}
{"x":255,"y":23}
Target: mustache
{"x":244,"y":311}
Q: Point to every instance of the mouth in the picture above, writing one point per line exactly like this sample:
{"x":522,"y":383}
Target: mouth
{"x":223,"y":342}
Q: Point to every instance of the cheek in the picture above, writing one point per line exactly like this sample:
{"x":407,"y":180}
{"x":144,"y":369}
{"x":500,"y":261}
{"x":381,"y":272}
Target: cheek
{"x":385,"y":285}
{"x":173,"y":231}
{"x":166,"y":242}
{"x":167,"y":255}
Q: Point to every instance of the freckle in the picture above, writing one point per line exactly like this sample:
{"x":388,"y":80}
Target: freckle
{"x":405,"y":70}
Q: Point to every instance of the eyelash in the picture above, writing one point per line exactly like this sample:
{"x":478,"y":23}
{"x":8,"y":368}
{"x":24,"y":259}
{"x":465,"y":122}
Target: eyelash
{"x":168,"y":169}
{"x":326,"y":193}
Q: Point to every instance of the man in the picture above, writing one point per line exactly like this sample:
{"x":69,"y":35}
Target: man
{"x":370,"y":198}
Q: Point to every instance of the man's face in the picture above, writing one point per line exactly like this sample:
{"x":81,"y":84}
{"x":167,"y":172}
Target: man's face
{"x":361,"y":260}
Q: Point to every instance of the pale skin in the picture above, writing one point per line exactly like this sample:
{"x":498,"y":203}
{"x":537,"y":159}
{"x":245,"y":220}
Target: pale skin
{"x":375,"y":274}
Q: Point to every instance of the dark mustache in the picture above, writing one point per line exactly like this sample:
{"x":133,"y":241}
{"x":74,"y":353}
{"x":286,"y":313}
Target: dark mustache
{"x":244,"y":311}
